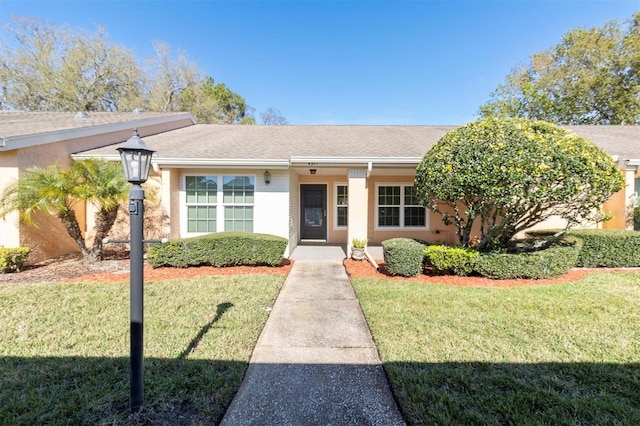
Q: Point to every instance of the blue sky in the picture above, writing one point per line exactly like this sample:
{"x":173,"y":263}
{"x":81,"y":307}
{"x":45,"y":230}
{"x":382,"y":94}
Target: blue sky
{"x":343,"y":62}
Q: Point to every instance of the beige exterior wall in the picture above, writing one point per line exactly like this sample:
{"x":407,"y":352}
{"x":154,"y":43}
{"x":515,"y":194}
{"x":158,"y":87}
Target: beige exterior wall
{"x":434,"y":232}
{"x":363,"y":197}
{"x":358,"y":211}
{"x":49,"y":239}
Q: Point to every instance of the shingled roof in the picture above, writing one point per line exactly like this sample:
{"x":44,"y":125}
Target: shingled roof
{"x":206,"y":144}
{"x":19,"y":129}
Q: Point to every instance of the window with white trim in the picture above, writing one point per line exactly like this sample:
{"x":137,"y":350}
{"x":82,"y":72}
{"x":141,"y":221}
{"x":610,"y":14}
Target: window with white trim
{"x":202,"y":198}
{"x":238,"y":196}
{"x":211,"y":207}
{"x":342,"y":206}
{"x":398,"y":207}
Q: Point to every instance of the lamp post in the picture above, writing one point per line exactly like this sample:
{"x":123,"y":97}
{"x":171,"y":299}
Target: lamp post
{"x":136,"y":159}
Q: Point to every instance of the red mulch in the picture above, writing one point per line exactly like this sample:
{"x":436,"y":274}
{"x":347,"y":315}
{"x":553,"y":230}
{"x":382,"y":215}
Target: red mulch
{"x":73,"y":269}
{"x":167,"y":273}
{"x":364,"y":269}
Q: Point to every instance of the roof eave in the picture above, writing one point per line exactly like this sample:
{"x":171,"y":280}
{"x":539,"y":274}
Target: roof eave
{"x":25,"y":141}
{"x":355,"y":161}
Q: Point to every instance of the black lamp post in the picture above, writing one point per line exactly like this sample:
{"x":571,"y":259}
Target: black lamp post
{"x":136,"y":159}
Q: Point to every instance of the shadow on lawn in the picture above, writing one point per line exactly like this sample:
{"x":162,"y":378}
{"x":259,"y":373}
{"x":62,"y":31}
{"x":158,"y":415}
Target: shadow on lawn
{"x":85,"y":390}
{"x":95,"y":390}
{"x":493,"y":393}
{"x":221,"y":309}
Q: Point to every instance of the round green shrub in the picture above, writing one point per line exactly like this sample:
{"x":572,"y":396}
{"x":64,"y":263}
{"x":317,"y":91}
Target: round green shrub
{"x":403,"y":256}
{"x":447,"y":260}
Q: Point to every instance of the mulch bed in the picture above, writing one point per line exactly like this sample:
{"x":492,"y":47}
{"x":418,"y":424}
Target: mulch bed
{"x":73,"y":269}
{"x":167,"y":273}
{"x":364,"y":269}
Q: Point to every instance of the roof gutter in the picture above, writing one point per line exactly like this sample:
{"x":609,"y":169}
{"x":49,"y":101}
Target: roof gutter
{"x":161,"y":162}
{"x":220,"y":162}
{"x":354,"y":161}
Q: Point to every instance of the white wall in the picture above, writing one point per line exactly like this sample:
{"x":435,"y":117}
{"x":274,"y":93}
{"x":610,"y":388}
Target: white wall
{"x":271,"y":202}
{"x":271,"y":211}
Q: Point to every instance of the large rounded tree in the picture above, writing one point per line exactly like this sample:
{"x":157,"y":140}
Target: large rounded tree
{"x":510,"y":174}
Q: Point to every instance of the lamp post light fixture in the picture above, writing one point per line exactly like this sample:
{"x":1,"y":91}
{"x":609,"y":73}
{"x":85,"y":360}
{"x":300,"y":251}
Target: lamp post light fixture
{"x":136,"y":159}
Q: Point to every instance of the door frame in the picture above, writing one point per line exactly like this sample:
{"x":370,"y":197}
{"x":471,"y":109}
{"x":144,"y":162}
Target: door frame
{"x":325,"y":201}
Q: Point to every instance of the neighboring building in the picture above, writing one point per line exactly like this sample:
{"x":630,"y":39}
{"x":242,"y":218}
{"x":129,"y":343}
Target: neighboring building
{"x":39,"y":139}
{"x":318,"y":184}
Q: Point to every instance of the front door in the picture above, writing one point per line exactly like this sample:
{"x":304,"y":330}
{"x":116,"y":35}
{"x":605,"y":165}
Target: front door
{"x":313,"y":212}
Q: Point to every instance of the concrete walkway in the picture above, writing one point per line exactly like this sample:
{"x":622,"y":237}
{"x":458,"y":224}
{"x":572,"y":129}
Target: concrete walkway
{"x":315,"y":362}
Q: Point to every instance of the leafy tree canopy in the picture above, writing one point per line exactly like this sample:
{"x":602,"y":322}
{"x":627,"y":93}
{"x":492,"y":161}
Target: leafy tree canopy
{"x":591,"y":77}
{"x":510,"y":174}
{"x":54,"y":68}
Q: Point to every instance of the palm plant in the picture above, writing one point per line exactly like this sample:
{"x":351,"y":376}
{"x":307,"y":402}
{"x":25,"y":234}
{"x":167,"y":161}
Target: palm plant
{"x":54,"y":190}
{"x":101,"y":183}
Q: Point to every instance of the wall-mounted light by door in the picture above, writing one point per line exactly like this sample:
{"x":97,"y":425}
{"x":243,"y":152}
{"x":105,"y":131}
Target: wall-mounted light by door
{"x":312,"y":171}
{"x":267,"y":177}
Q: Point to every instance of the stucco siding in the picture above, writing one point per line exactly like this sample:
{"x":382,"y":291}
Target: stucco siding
{"x":271,"y":209}
{"x":270,"y":206}
{"x":47,"y":239}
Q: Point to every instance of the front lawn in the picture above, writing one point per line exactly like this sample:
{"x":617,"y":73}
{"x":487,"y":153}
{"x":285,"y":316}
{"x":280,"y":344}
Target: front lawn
{"x":64,"y":351}
{"x":558,"y":354}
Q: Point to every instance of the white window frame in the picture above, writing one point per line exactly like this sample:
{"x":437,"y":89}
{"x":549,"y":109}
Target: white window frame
{"x":219,"y":205}
{"x":336,"y":205}
{"x":402,"y":226}
{"x":233,"y":204}
{"x":185,"y":204}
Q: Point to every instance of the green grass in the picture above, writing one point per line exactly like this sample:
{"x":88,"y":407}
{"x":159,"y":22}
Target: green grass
{"x":562,"y":354}
{"x":64,"y":351}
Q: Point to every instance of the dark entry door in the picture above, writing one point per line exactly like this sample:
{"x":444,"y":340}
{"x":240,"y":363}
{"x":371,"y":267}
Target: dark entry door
{"x":313,"y":212}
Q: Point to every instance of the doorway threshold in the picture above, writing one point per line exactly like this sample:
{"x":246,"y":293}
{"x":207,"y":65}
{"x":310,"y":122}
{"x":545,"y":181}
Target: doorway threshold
{"x":309,"y":241}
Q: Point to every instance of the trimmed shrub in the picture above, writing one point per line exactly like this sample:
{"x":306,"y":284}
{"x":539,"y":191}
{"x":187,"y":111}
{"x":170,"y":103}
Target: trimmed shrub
{"x":219,"y":249}
{"x":403,"y":256}
{"x":604,"y":248}
{"x":447,"y":260}
{"x":608,"y":248}
{"x":12,"y":259}
{"x":539,"y":264}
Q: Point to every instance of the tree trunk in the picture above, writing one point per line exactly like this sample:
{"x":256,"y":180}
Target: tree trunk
{"x":105,"y":218}
{"x":70,"y":223}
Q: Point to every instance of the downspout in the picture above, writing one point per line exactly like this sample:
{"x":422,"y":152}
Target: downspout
{"x":371,"y":260}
